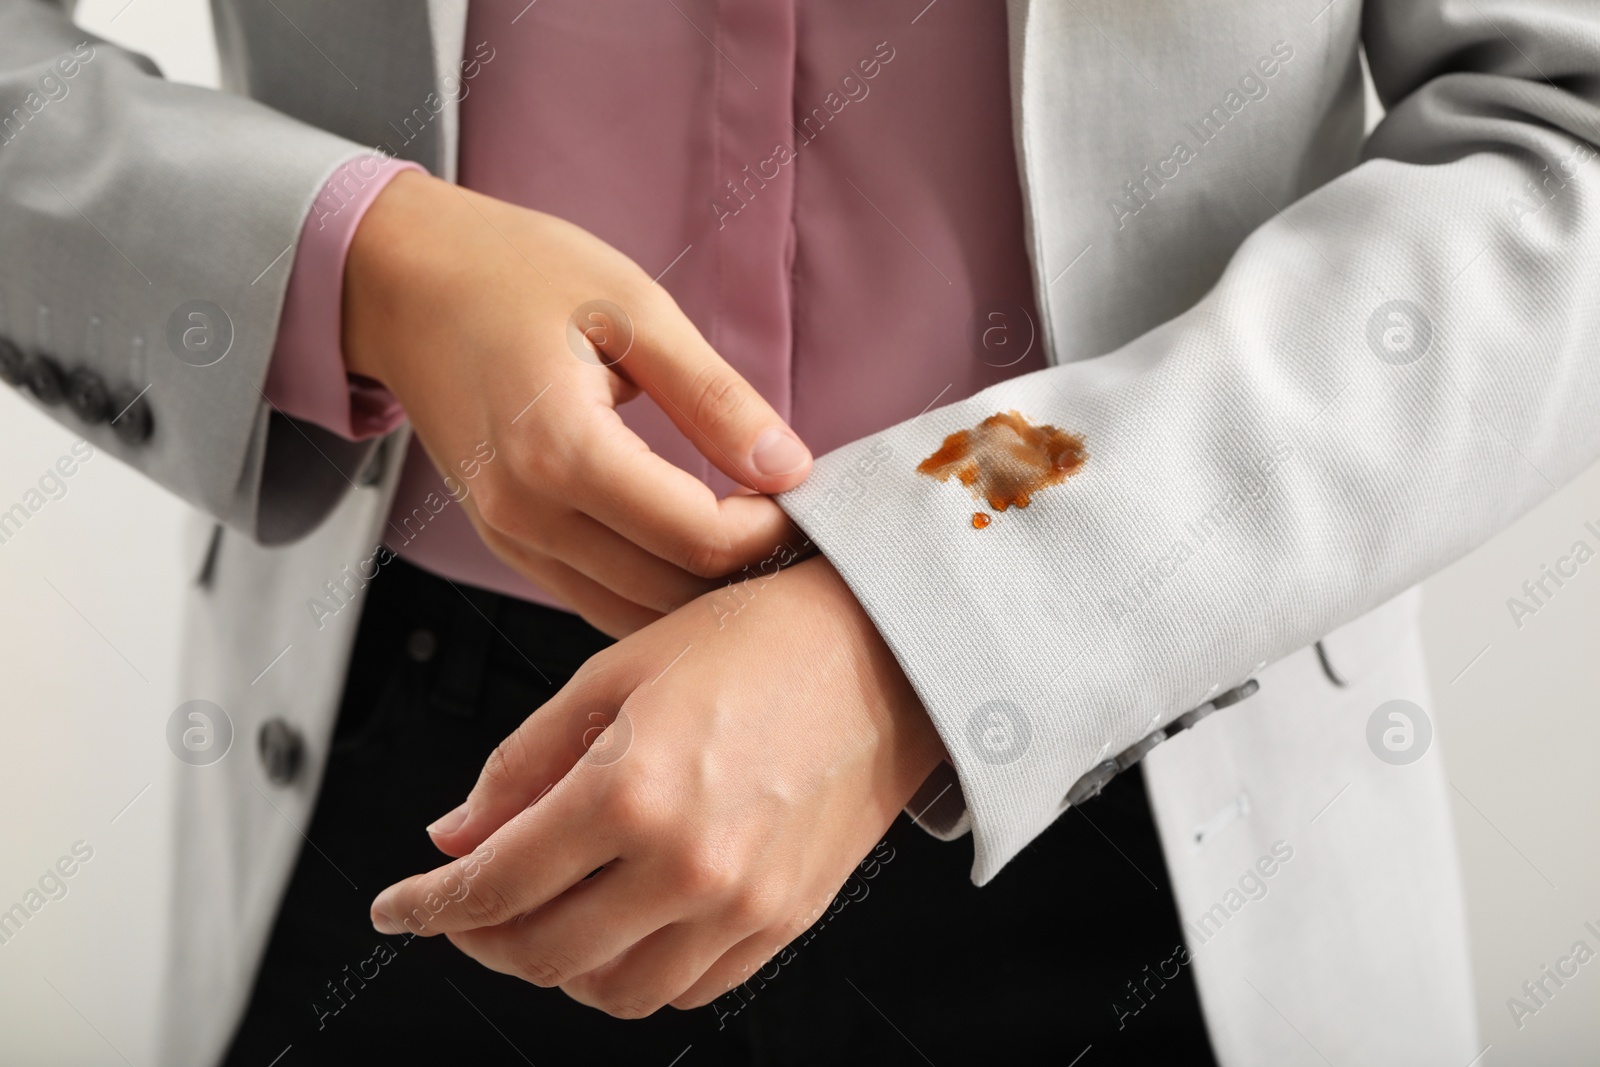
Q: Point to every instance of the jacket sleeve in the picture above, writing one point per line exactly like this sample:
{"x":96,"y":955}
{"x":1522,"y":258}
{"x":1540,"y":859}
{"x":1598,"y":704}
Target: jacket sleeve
{"x":146,"y":234}
{"x":1389,"y":371}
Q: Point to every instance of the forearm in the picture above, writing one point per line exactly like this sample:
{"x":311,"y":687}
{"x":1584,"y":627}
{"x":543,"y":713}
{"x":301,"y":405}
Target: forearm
{"x":125,"y":198}
{"x":1273,"y":462}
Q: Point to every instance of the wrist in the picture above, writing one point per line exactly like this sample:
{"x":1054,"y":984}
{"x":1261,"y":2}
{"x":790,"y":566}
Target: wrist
{"x":382,"y":267}
{"x":906,"y":725}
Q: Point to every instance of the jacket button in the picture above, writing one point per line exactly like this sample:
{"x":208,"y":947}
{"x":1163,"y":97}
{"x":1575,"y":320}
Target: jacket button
{"x":1096,"y":779}
{"x":13,"y":364}
{"x":46,"y":380}
{"x":281,"y":751}
{"x":87,"y":396}
{"x":135,"y":423}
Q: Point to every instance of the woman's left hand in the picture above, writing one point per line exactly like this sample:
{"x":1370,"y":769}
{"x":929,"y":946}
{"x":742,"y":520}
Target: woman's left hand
{"x":756,"y":744}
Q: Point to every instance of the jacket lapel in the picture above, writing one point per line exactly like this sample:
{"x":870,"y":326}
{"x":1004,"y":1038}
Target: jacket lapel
{"x":447,"y":22}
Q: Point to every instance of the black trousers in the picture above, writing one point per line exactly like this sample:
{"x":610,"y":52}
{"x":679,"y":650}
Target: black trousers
{"x":912,"y":965}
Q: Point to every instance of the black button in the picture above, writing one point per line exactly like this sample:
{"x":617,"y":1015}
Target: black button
{"x":13,"y":364}
{"x":135,"y":423}
{"x":46,"y":379}
{"x":88,"y":396}
{"x":281,"y":751}
{"x":421,"y":645}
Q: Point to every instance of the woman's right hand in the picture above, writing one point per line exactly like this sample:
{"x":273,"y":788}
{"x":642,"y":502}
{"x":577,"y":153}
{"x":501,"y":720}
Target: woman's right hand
{"x":460,"y":305}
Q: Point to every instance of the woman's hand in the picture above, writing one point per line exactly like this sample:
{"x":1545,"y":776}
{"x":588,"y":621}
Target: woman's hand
{"x":757,"y":756}
{"x":464,"y":308}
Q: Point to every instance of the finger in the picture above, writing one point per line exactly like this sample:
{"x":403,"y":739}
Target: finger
{"x":608,"y":612}
{"x":614,"y":477}
{"x":539,"y":755}
{"x":713,"y":405}
{"x":655,"y":972}
{"x":760,"y":954}
{"x":539,"y":854}
{"x":587,"y":458}
{"x":601,"y":554}
{"x":586,"y":927}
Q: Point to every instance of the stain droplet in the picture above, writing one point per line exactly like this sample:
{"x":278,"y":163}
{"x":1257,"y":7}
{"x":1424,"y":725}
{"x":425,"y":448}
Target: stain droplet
{"x":1005,"y":460}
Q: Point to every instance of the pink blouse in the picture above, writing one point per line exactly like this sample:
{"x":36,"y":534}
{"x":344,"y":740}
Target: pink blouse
{"x":828,"y":192}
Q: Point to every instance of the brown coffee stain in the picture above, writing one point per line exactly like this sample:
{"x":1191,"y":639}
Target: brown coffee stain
{"x":980,"y":519}
{"x":1005,"y":460}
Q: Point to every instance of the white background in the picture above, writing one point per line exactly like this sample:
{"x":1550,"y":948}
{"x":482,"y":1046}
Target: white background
{"x":88,"y":669}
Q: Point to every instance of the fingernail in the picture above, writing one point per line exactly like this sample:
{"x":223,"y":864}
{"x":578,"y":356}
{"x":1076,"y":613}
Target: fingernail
{"x":385,"y":925}
{"x":449,"y":824}
{"x":778,"y":451}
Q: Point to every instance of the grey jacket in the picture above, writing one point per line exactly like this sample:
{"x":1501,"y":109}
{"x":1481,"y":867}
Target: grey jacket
{"x":1311,"y":369}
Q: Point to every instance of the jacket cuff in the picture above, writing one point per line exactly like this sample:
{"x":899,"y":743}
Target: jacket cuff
{"x":903,"y":581}
{"x":1000,"y":630}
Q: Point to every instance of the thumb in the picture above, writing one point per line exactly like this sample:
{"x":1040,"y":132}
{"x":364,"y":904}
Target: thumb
{"x":714,"y":406}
